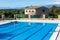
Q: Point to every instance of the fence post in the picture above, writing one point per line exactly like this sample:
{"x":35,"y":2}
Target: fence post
{"x":3,"y":16}
{"x":58,"y":17}
{"x":43,"y":16}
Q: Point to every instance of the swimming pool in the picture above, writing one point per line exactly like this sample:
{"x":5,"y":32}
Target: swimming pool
{"x":27,"y":31}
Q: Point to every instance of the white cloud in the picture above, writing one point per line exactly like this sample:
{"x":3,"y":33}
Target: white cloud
{"x":54,"y":2}
{"x":57,"y":0}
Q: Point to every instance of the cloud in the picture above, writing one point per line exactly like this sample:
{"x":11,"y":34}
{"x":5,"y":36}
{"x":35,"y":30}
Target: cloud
{"x":57,"y":0}
{"x":54,"y":2}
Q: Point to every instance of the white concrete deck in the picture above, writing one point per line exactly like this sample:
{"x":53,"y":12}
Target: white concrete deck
{"x":58,"y":37}
{"x":53,"y":37}
{"x":4,"y":21}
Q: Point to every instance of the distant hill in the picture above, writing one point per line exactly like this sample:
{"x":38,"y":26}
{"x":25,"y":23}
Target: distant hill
{"x":18,"y":8}
{"x":50,"y":5}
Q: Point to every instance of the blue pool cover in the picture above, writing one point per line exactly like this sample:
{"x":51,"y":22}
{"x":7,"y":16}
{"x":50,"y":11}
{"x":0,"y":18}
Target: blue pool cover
{"x":26,"y":31}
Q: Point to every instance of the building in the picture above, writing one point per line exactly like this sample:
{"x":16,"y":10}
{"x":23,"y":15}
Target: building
{"x":36,"y":10}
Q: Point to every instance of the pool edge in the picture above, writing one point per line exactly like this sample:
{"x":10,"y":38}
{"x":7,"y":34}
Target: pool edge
{"x":54,"y":35}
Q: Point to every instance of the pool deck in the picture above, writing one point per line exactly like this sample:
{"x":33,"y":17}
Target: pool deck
{"x":4,"y":21}
{"x":53,"y":37}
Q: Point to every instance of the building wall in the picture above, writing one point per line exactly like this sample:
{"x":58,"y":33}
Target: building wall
{"x":37,"y":11}
{"x":41,"y":11}
{"x":30,"y":11}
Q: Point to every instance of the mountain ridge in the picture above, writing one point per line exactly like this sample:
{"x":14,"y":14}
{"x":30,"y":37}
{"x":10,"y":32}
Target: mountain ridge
{"x":48,"y":6}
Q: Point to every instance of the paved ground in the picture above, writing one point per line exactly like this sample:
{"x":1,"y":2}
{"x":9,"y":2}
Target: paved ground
{"x":58,"y":37}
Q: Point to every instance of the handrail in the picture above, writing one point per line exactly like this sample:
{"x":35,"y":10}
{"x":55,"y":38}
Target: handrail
{"x":57,"y":35}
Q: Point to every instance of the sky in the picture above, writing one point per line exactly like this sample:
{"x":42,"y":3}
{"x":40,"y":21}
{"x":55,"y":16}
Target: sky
{"x":24,"y":3}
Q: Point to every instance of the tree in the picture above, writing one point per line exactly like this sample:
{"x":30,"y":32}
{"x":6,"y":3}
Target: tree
{"x":54,"y":11}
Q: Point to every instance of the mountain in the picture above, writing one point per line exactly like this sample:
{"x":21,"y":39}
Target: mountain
{"x":12,"y":8}
{"x":50,"y":5}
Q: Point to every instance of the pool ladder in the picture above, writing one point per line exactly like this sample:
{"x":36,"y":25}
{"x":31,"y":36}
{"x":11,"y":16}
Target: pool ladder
{"x":57,"y":35}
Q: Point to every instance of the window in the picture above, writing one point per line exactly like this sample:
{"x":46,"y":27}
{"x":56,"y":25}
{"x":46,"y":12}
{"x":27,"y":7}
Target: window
{"x":43,"y":10}
{"x":26,"y":10}
{"x":32,"y":11}
{"x":29,"y":11}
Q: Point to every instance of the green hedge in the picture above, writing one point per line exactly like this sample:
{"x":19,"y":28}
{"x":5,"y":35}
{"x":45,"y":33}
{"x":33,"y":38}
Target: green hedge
{"x":25,"y":16}
{"x":35,"y":16}
{"x":21,"y":16}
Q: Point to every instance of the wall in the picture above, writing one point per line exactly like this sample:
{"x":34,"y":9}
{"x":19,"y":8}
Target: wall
{"x":40,"y":12}
{"x":31,"y":13}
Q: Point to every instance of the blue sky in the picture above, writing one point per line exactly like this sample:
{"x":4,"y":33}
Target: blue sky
{"x":23,"y":3}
